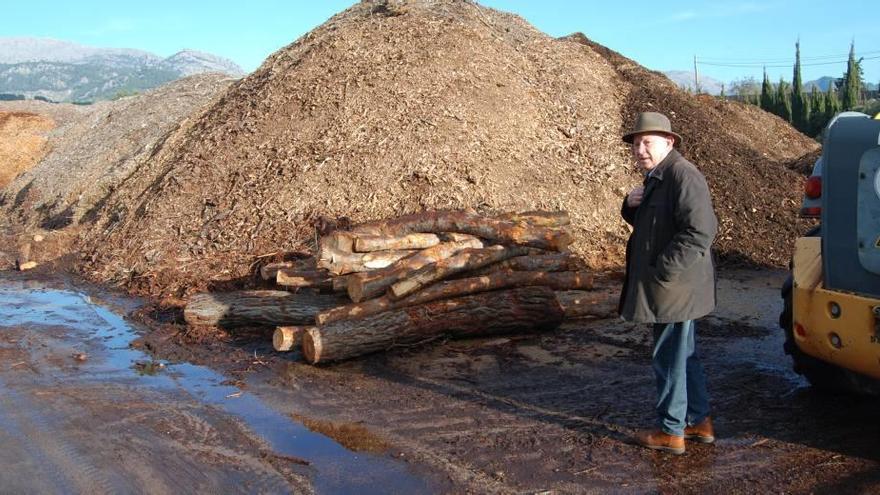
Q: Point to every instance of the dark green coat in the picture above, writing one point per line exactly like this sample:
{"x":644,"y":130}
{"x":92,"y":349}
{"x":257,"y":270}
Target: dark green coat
{"x":670,"y":276}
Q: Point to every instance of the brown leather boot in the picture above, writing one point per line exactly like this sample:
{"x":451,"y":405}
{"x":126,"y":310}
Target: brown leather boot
{"x":659,"y":440}
{"x":702,"y":432}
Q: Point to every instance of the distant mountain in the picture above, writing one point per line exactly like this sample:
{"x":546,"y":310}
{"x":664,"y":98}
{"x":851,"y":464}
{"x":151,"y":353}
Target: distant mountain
{"x":685,"y":80}
{"x":64,"y":71}
{"x":823,"y":83}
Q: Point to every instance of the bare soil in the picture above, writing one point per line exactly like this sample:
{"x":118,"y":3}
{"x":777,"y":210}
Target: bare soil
{"x":554,"y":413}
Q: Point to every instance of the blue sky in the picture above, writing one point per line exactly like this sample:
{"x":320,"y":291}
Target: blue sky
{"x":659,"y":36}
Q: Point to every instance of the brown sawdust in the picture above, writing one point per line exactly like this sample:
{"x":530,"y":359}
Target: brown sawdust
{"x":393,"y":107}
{"x":22,"y":142}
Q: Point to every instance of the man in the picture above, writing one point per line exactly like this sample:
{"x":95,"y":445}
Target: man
{"x":670,"y":278}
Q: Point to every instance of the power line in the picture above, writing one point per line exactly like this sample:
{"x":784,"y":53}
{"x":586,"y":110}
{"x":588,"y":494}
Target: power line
{"x":791,"y":64}
{"x":865,"y":54}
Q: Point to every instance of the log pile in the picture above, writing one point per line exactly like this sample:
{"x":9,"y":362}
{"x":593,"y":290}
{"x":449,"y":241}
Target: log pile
{"x":412,"y":279}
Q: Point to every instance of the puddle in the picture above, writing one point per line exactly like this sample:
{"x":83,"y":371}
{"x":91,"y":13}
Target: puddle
{"x":332,"y":468}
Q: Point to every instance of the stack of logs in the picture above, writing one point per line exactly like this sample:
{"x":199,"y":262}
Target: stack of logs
{"x":414,"y":279}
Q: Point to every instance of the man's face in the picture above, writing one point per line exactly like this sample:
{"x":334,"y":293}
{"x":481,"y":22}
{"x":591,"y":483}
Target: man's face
{"x":649,"y":149}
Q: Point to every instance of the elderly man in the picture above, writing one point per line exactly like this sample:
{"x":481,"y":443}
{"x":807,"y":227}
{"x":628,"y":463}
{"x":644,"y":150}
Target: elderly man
{"x":670,"y":278}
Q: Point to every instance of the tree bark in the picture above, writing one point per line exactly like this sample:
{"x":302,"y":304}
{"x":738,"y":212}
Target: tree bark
{"x":458,"y":288}
{"x":580,"y":304}
{"x":341,"y":263}
{"x":257,"y":308}
{"x":340,"y":283}
{"x":554,"y":262}
{"x":285,"y":339}
{"x":368,"y":243}
{"x":270,"y":270}
{"x":539,"y":218}
{"x":370,"y":285}
{"x":520,"y":310}
{"x":500,"y":231}
{"x":467,"y":260}
{"x":288,"y":277}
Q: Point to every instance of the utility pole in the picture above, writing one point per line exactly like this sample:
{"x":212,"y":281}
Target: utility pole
{"x":696,"y":78}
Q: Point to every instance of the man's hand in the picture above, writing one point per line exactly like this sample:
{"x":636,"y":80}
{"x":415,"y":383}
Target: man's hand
{"x":634,"y":198}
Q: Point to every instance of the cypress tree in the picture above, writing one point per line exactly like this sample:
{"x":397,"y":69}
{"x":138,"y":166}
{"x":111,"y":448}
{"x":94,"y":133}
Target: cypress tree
{"x":817,"y":111}
{"x":832,"y":104}
{"x":799,"y":112}
{"x":852,"y":83}
{"x":783,"y":100}
{"x":768,"y":102}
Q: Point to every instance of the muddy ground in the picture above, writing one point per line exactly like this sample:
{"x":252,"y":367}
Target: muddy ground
{"x":81,"y":411}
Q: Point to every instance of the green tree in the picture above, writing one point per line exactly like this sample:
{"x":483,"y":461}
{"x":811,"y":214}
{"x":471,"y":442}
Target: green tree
{"x":852,"y":81}
{"x":722,"y":95}
{"x":783,"y":100}
{"x":799,"y":109}
{"x":768,"y":97}
{"x":818,"y":115}
{"x":832,"y":104}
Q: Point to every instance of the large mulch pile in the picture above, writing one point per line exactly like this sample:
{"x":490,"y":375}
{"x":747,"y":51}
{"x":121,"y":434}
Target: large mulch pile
{"x":23,"y":137}
{"x":750,"y":158}
{"x":393,"y":107}
{"x":99,"y":148}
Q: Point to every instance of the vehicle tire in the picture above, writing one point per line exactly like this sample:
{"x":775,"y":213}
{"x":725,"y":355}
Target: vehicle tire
{"x":822,"y":376}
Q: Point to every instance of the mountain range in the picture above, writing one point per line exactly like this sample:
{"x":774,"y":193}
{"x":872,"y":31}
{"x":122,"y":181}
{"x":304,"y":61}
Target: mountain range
{"x":685,"y":80}
{"x":64,"y":71}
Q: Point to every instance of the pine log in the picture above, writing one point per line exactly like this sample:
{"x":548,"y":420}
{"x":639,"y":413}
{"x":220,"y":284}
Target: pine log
{"x":257,"y":307}
{"x":288,"y":277}
{"x":341,"y":263}
{"x":520,"y":310}
{"x":369,"y":285}
{"x":287,"y":338}
{"x":340,"y":283}
{"x":539,"y":218}
{"x":554,"y":262}
{"x":458,"y":288}
{"x":269,"y":271}
{"x":467,"y":260}
{"x":457,"y":237}
{"x":366,"y":243}
{"x":466,"y":222}
{"x":580,"y":304}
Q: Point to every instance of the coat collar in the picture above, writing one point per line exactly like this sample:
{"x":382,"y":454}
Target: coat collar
{"x":657,"y":172}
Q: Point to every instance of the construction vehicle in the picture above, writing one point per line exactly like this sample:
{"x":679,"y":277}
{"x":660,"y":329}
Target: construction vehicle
{"x":831,"y":301}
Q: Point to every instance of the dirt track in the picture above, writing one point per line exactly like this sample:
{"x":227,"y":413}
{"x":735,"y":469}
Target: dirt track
{"x":539,"y":414}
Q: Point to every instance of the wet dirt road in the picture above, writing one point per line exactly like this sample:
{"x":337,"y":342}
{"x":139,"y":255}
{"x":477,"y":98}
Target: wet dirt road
{"x":82,"y":412}
{"x":537,"y":414}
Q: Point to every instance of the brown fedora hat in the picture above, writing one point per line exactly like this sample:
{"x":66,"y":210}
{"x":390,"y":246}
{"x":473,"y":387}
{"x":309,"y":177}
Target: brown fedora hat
{"x":652,"y":122}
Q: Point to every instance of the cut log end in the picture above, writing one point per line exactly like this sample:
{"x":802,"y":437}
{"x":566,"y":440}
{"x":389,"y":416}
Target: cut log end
{"x":286,"y":338}
{"x":311,"y":345}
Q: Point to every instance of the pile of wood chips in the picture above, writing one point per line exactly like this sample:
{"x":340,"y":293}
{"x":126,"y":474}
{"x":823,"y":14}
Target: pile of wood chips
{"x":413,"y":279}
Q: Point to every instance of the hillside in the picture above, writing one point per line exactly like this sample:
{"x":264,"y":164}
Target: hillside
{"x":63,"y":71}
{"x":397,"y":106}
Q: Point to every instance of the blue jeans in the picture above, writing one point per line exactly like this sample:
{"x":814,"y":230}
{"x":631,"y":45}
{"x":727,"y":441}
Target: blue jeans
{"x":682,"y":399}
